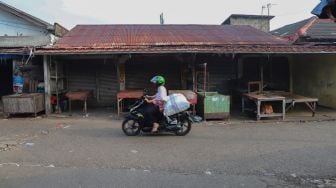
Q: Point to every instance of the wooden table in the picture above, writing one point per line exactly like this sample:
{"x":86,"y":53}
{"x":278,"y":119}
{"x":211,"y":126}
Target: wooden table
{"x":78,"y":96}
{"x":260,"y":98}
{"x":127,"y":94}
{"x":292,"y":99}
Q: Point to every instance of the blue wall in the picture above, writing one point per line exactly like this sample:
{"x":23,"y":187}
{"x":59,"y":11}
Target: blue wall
{"x":12,"y":25}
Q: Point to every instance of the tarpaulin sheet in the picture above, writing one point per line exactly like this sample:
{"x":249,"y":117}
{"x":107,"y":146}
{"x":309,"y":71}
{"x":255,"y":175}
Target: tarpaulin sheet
{"x":319,"y":10}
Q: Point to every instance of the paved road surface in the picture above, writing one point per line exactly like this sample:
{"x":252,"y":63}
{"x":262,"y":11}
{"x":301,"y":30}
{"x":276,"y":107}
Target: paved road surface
{"x":95,"y":153}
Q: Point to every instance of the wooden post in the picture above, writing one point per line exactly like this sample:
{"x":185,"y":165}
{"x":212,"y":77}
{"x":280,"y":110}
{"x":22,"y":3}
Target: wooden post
{"x":47,"y":90}
{"x":258,"y":109}
{"x":121,"y":79}
{"x":121,"y":76}
{"x":98,"y":84}
{"x":290,"y":62}
{"x":262,"y":78}
{"x":193,"y":61}
{"x":243,"y":104}
{"x":205,"y":78}
{"x":283,"y":109}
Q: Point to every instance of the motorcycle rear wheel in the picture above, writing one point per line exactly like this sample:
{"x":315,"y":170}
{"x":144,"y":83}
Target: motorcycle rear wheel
{"x":185,"y":127}
{"x":131,"y":127}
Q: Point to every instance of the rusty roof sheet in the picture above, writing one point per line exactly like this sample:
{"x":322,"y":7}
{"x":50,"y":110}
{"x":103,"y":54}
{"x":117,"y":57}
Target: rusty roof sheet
{"x":192,"y":49}
{"x":96,"y":39}
{"x":156,"y":35}
{"x":20,"y":51}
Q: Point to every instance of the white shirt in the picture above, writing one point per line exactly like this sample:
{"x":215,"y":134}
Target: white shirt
{"x":161,"y":94}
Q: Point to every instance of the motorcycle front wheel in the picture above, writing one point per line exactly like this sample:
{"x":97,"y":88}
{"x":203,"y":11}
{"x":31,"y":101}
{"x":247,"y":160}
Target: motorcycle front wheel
{"x":131,"y":127}
{"x":185,"y":127}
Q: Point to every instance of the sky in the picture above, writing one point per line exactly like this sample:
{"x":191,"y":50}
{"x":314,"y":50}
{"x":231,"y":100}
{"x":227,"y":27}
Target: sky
{"x":72,"y":12}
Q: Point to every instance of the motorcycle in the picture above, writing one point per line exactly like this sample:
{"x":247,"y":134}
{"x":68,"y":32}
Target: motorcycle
{"x":135,"y":121}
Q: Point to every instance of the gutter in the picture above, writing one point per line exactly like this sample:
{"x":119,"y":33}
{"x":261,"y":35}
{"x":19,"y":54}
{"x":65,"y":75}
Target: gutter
{"x":180,"y":52}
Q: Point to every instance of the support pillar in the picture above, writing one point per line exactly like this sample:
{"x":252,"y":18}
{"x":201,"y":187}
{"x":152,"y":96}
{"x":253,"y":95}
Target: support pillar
{"x":47,"y":89}
{"x":121,"y":76}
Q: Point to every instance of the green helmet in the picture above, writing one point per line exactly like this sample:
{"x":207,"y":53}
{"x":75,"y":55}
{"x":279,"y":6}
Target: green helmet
{"x":158,"y":80}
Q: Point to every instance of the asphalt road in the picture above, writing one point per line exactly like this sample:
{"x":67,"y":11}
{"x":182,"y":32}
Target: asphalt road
{"x":95,"y":153}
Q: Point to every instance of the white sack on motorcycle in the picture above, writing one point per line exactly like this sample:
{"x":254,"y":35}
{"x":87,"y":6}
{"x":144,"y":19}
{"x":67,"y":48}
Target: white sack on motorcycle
{"x":176,"y":103}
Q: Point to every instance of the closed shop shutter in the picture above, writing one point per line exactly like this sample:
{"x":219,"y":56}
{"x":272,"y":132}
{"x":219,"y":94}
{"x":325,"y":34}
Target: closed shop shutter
{"x":220,"y":75}
{"x":221,"y":71}
{"x":108,"y":84}
{"x":139,"y":74}
{"x":276,"y":71}
{"x":97,"y":77}
{"x":81,"y":76}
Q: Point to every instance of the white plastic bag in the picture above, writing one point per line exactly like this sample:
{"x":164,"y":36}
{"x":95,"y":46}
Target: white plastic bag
{"x":176,"y":103}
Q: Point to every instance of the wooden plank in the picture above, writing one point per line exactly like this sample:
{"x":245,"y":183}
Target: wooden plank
{"x":263,"y":97}
{"x":121,"y":76}
{"x":293,"y":97}
{"x":272,"y":115}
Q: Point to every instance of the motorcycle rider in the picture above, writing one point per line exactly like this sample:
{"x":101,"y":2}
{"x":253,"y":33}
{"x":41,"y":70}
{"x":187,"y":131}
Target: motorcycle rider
{"x":156,"y":102}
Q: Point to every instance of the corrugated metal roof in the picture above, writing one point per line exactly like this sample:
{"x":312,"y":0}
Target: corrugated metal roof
{"x":322,"y":30}
{"x":161,"y":35}
{"x":291,"y":29}
{"x":108,"y":39}
{"x":19,"y":51}
{"x":312,"y":30}
{"x":24,"y":41}
{"x":192,"y":49}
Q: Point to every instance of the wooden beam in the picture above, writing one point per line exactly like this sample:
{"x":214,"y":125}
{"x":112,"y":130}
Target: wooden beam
{"x":290,"y":62}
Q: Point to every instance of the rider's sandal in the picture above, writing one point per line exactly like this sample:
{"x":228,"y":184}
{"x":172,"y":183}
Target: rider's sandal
{"x":154,"y":131}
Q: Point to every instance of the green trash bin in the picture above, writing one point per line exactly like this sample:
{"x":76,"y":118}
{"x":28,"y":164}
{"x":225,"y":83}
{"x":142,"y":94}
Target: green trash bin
{"x":212,"y":105}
